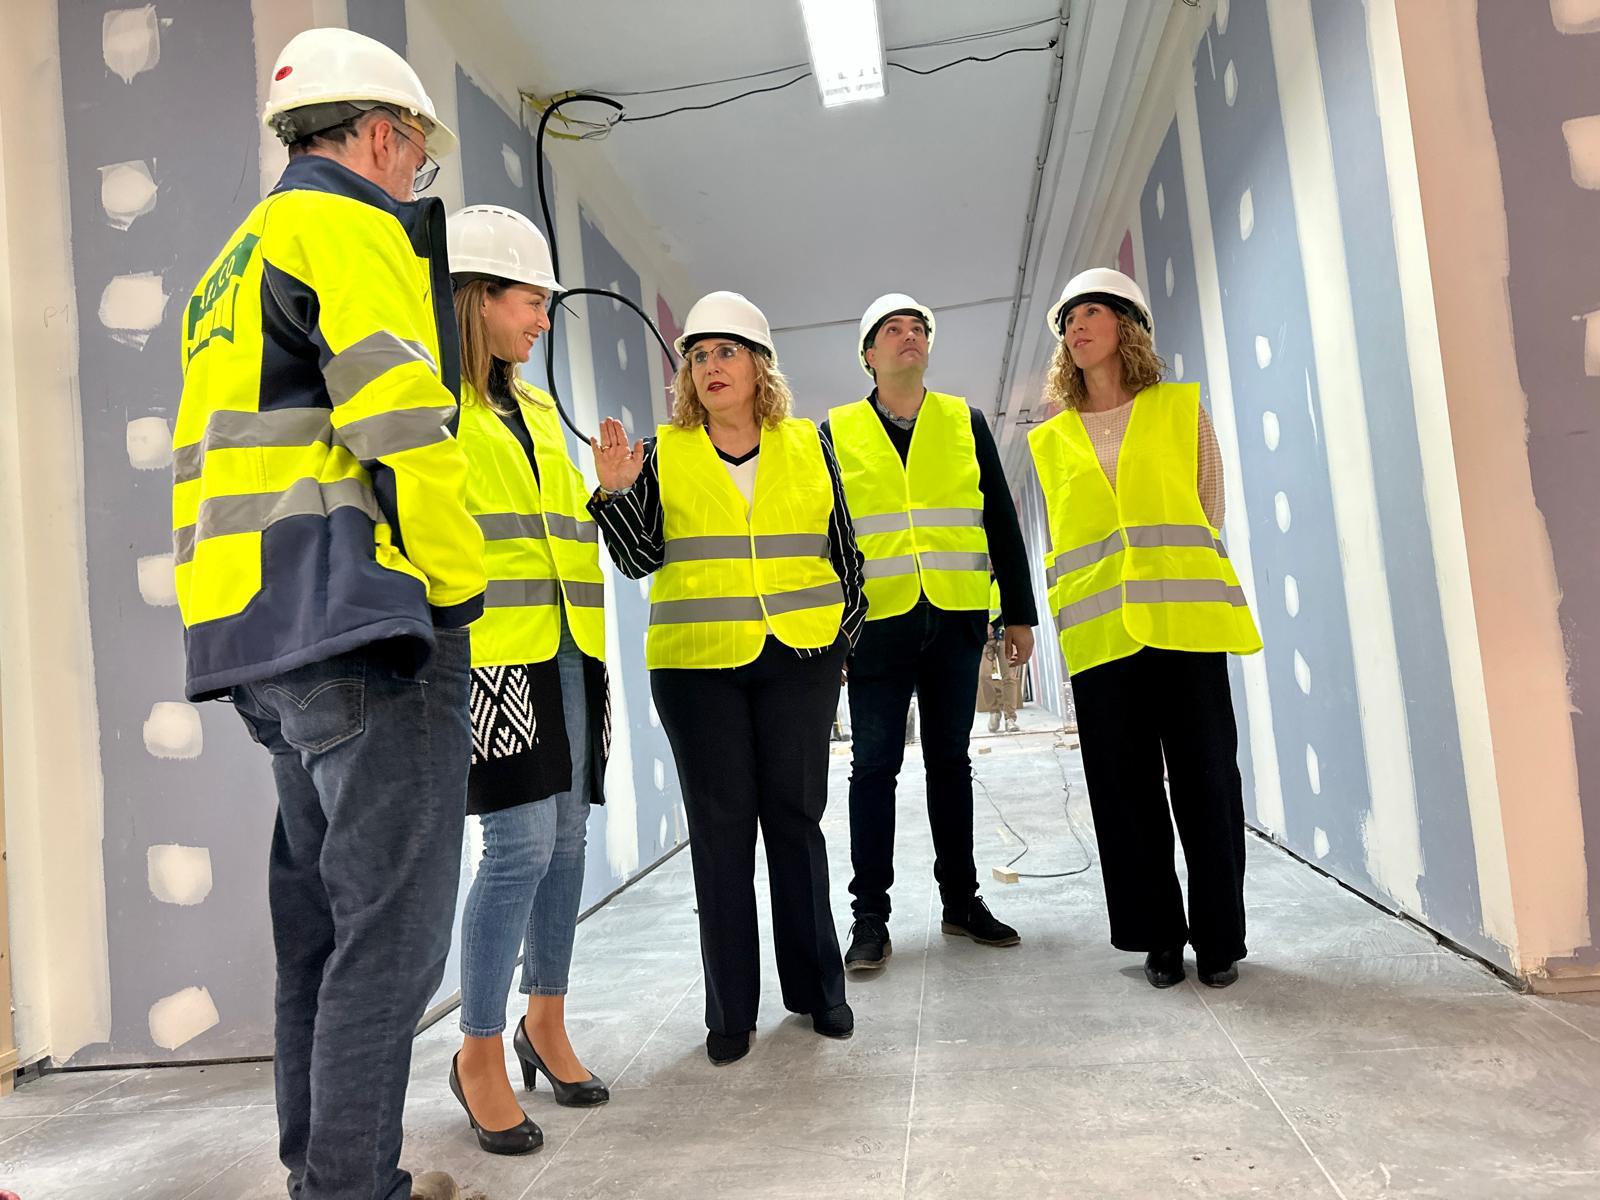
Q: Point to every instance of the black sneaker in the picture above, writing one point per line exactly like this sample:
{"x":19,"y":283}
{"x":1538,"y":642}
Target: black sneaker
{"x":869,"y":944}
{"x":835,"y":1022}
{"x":979,"y":924}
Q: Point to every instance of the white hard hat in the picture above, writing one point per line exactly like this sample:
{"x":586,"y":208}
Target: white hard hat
{"x":726,"y":314}
{"x":486,"y":239}
{"x":339,"y":66}
{"x":1102,"y":283}
{"x":880,"y":310}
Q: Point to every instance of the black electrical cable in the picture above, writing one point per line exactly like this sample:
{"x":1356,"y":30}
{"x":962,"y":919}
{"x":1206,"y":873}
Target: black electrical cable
{"x":627,"y":120}
{"x":972,"y":58}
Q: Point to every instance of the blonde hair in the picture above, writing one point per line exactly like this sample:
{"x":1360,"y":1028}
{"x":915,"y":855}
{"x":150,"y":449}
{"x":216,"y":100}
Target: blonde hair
{"x":479,"y":367}
{"x":774,"y":400}
{"x":1142,"y":367}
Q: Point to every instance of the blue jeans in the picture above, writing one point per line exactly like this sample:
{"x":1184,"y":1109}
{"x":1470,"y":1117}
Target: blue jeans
{"x":530,"y":881}
{"x":370,"y":761}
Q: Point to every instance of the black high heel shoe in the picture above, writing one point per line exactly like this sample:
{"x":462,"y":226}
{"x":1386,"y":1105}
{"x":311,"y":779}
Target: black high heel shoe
{"x":519,"y":1139}
{"x":584,"y":1094}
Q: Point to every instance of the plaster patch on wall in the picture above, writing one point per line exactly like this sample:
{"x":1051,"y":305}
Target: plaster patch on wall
{"x":644,"y":589}
{"x":1302,"y":672}
{"x":1161,"y":200}
{"x":127,"y":192}
{"x":661,"y":833}
{"x":182,"y":1017}
{"x":158,"y":582}
{"x":1263,"y":352}
{"x":1319,"y":843}
{"x":1280,"y":509}
{"x":1576,"y":16}
{"x":513,"y":162}
{"x":1170,"y":278}
{"x":1291,"y":595}
{"x":1271,"y":430}
{"x":659,"y":773}
{"x":622,"y":355}
{"x":131,"y":306}
{"x":1177,"y":366}
{"x":655,"y":717}
{"x":179,"y":874}
{"x":1591,"y":343}
{"x":173,"y":730}
{"x":1230,"y":84}
{"x":627,"y":413}
{"x":1223,"y":8}
{"x":1247,"y":215}
{"x":1313,"y":770}
{"x":149,"y":443}
{"x":1583,"y":150}
{"x":130,"y":40}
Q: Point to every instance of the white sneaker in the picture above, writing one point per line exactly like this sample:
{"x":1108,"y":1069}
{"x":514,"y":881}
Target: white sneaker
{"x":994,"y":722}
{"x":434,"y":1185}
{"x":1011,"y":725}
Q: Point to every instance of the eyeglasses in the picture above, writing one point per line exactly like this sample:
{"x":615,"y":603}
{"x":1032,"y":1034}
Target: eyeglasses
{"x":725,"y":353}
{"x":429,"y":170}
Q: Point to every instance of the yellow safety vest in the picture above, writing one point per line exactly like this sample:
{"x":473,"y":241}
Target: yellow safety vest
{"x":540,"y":546}
{"x":733,"y":572}
{"x":1138,"y":566}
{"x":919,"y":523}
{"x":994,"y":601}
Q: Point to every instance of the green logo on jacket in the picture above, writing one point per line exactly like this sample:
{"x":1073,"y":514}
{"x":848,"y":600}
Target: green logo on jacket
{"x":211,"y":308}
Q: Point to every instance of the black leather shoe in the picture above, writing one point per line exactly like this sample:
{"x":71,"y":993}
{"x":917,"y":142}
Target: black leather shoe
{"x":979,"y":924}
{"x":869,"y":944}
{"x":1217,"y":975}
{"x":836,"y":1022}
{"x":1164,"y":968}
{"x":519,"y":1139}
{"x":586,"y":1093}
{"x":725,"y":1048}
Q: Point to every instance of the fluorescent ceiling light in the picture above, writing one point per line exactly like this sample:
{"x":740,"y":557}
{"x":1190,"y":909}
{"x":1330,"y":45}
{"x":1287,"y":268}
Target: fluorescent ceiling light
{"x":846,"y":50}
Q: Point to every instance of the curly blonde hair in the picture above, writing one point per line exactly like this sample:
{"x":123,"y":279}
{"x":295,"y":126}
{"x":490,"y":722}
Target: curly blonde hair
{"x":774,"y":400}
{"x":1142,"y":367}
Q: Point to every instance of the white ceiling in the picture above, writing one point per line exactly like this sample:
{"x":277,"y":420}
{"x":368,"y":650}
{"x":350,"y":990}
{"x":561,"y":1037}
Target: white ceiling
{"x":811,"y":212}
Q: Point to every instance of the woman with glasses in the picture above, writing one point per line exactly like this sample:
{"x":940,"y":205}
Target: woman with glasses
{"x":738,"y":509}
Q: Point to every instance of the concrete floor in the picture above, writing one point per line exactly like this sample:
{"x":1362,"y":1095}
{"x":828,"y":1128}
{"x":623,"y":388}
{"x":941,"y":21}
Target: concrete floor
{"x":1355,"y":1057}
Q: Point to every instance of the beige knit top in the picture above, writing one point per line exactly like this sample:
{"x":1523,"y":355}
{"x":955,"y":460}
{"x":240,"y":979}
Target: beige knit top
{"x":1107,"y":429}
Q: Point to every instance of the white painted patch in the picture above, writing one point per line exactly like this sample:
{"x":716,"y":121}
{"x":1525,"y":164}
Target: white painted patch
{"x":182,"y":1017}
{"x":1223,"y":8}
{"x":1291,"y":595}
{"x":622,"y":353}
{"x":1161,"y":201}
{"x":130,"y":40}
{"x":513,"y":164}
{"x":127,"y":192}
{"x":1311,"y":412}
{"x":1230,"y":84}
{"x":616,"y":286}
{"x":1280,"y":509}
{"x":1319,"y":843}
{"x":1271,"y":431}
{"x":131,"y":306}
{"x":179,"y":874}
{"x":173,"y":730}
{"x":1247,"y":215}
{"x":655,"y":717}
{"x":658,"y":771}
{"x":644,"y":588}
{"x":149,"y":443}
{"x":661,"y":833}
{"x":1313,"y":770}
{"x":1302,"y":672}
{"x":158,"y":585}
{"x":1263,"y":352}
{"x":1583,"y":149}
{"x":1576,"y":16}
{"x":627,"y":420}
{"x":1591,"y":343}
{"x":1170,"y":277}
{"x":1177,"y":366}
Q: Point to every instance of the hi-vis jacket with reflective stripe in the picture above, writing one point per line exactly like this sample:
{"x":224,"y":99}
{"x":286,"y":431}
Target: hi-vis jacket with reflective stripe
{"x":540,"y":545}
{"x":1139,"y":566}
{"x":318,"y":490}
{"x":731,"y":572}
{"x":919,"y":523}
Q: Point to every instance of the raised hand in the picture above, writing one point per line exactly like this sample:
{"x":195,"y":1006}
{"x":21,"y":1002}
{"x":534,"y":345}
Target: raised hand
{"x":615,"y":462}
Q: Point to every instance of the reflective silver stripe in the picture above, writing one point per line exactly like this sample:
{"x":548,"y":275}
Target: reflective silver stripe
{"x":1084,"y":556}
{"x":500,"y":526}
{"x":954,"y":560}
{"x":882,"y":523}
{"x":374,"y":355}
{"x":1148,"y":537}
{"x":1184,"y":591}
{"x":819,"y":596}
{"x":395,"y":432}
{"x":257,"y":511}
{"x":1051,"y":574}
{"x":882,"y":568}
{"x":689,"y":612}
{"x":227,"y":429}
{"x":572,"y":529}
{"x":735,"y":546}
{"x":520,"y":593}
{"x":585,"y":595}
{"x":944,"y":518}
{"x":1090,"y":607}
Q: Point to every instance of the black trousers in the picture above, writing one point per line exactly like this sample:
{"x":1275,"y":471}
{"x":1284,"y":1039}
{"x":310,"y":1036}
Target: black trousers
{"x":934,"y":653}
{"x":1132,"y":714}
{"x":751,"y":745}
